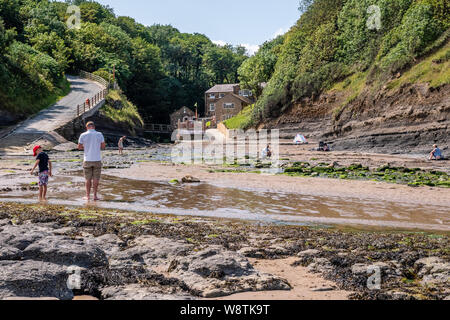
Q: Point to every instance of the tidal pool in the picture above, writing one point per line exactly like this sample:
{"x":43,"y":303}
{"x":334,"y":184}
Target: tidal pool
{"x":212,"y":201}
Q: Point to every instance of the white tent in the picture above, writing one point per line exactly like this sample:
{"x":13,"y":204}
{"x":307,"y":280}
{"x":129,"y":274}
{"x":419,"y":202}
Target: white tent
{"x":300,"y":139}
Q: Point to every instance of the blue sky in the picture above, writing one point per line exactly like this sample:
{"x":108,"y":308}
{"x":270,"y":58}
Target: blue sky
{"x":246,"y":22}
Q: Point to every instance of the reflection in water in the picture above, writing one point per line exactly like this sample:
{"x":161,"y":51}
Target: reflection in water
{"x":208,"y":200}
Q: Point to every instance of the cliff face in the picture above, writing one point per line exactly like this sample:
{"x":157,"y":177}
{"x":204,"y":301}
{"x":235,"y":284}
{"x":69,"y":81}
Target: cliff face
{"x":409,"y":119}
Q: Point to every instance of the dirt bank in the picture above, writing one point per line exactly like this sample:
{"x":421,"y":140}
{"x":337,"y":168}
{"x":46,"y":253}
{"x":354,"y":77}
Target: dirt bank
{"x":406,"y":120}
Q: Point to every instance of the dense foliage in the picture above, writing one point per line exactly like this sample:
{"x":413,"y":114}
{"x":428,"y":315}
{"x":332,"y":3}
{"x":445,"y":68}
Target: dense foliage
{"x":159,"y":68}
{"x":332,"y":41}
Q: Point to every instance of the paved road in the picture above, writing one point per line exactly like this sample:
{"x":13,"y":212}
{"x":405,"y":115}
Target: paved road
{"x":52,"y":118}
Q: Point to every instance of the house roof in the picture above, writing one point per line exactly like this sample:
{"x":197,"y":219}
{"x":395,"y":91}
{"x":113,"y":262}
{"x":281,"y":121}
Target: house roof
{"x":244,"y":99}
{"x":222,"y":88}
{"x":188,"y":111}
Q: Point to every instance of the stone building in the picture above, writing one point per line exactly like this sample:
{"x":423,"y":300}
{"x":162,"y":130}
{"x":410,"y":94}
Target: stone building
{"x":184,"y":114}
{"x":225,"y":101}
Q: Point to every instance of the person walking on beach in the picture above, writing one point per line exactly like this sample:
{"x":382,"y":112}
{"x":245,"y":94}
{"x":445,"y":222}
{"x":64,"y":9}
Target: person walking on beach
{"x":45,"y":171}
{"x":92,"y":142}
{"x":120,"y":144}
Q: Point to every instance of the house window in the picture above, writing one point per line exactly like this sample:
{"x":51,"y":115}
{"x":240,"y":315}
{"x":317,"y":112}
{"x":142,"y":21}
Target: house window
{"x":245,"y":93}
{"x":228,"y":105}
{"x":221,"y":95}
{"x":212,"y":96}
{"x":212,"y":107}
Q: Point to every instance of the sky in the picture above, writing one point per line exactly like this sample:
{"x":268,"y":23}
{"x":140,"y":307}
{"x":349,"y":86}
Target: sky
{"x":238,"y":22}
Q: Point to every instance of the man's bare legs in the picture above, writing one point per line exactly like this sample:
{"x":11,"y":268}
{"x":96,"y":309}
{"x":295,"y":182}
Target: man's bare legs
{"x":88,"y":189}
{"x":96,"y":183}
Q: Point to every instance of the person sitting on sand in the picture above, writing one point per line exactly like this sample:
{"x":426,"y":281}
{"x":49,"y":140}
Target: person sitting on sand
{"x":92,"y":142}
{"x":268,"y":151}
{"x":45,"y":171}
{"x":120,"y":144}
{"x":436,"y":154}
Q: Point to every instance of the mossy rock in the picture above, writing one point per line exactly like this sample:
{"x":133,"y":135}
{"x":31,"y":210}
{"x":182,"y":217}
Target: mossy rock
{"x":293,"y":170}
{"x":322,"y":169}
{"x":355,"y":166}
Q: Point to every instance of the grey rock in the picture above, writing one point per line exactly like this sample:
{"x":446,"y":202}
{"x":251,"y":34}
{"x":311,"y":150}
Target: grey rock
{"x":320,"y":265}
{"x":109,"y":243}
{"x":398,"y":295}
{"x":308,"y":253}
{"x":63,"y":231}
{"x":278,"y":250}
{"x":10,"y":253}
{"x":190,"y":179}
{"x":252,"y":253}
{"x":65,"y":251}
{"x":21,"y":237}
{"x":33,"y":279}
{"x":433,"y":270}
{"x":215,"y":272}
{"x":150,"y":251}
{"x":361,"y":268}
{"x":139,"y":292}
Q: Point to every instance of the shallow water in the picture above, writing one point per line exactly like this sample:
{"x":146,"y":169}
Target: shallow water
{"x":212,"y":201}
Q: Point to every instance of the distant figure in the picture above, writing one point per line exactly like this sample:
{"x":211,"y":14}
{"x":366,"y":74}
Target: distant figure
{"x":323,"y":147}
{"x":267,"y":153}
{"x":92,"y":142}
{"x":436,"y":154}
{"x":45,"y":171}
{"x":120,"y":144}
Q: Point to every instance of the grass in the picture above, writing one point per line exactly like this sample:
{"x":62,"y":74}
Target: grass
{"x":31,"y":104}
{"x":352,"y":86}
{"x":240,"y":121}
{"x":128,"y":114}
{"x":434,"y":70}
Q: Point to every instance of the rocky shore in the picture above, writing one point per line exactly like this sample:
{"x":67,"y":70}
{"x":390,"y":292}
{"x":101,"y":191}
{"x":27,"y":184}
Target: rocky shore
{"x":129,"y":255}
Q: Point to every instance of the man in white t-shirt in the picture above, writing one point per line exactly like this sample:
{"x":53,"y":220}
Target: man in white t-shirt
{"x":92,"y":142}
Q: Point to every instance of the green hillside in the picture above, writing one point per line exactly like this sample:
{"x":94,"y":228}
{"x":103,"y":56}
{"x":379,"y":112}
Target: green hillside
{"x":159,"y":68}
{"x":332,"y":47}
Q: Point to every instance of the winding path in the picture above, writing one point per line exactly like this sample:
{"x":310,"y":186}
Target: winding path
{"x":52,"y":118}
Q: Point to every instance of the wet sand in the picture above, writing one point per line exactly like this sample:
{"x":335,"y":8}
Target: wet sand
{"x":363,"y":190}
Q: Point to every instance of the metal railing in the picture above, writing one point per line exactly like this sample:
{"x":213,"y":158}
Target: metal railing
{"x":92,"y":102}
{"x":158,"y":128}
{"x":93,"y":77}
{"x":97,"y":98}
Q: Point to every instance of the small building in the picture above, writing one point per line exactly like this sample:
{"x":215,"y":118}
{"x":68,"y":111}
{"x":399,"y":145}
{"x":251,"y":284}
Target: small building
{"x":225,"y":101}
{"x":184,"y":114}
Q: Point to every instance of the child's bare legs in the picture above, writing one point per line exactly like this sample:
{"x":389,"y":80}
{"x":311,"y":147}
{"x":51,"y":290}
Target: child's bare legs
{"x":43,"y":193}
